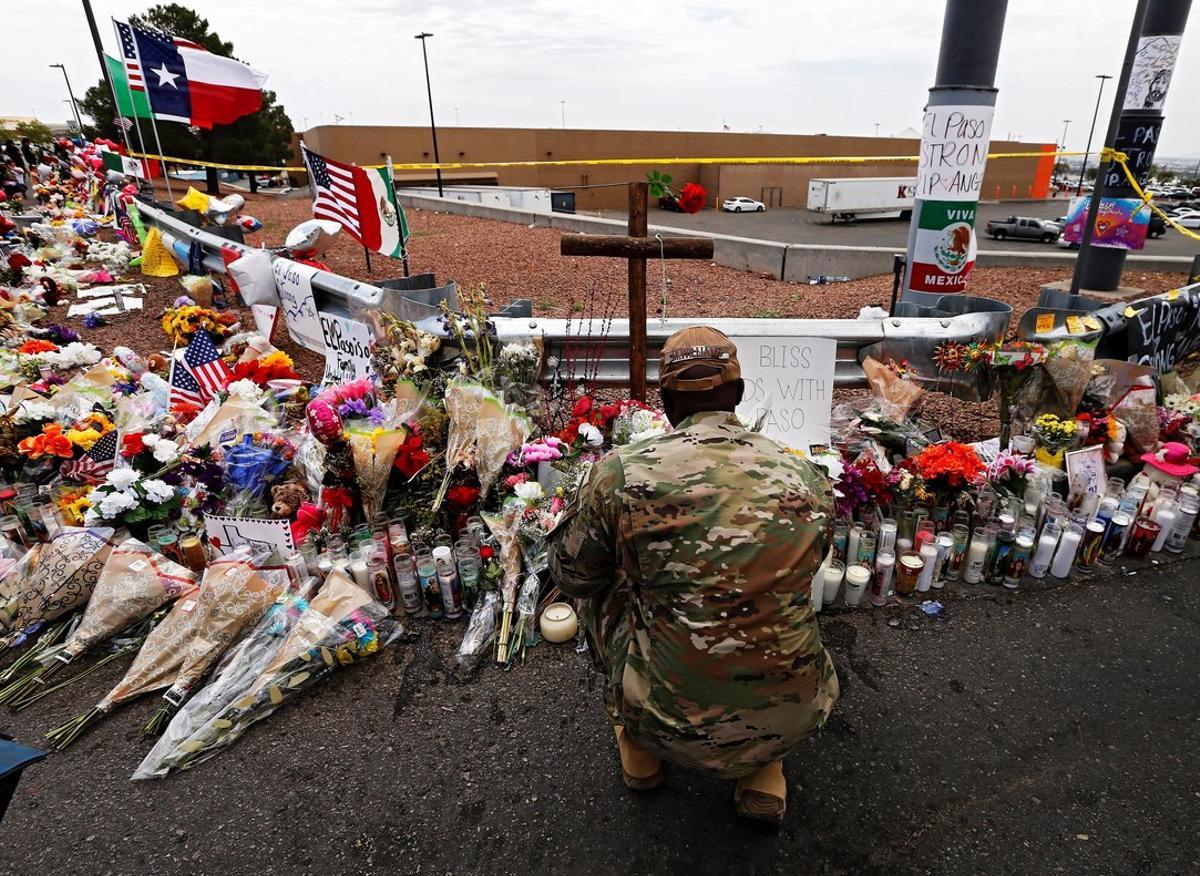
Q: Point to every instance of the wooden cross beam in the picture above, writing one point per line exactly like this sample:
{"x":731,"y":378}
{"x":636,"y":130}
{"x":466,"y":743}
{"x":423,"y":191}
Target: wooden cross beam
{"x":637,"y":247}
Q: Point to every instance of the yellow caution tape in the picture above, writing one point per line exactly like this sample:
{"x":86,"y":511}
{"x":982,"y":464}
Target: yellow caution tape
{"x":1121,"y":159}
{"x":604,"y":162}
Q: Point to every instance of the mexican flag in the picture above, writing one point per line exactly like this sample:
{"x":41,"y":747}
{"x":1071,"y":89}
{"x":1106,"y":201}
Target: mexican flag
{"x":122,"y":163}
{"x":130,"y":104}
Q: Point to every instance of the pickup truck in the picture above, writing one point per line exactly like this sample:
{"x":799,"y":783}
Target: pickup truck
{"x":1023,"y":228}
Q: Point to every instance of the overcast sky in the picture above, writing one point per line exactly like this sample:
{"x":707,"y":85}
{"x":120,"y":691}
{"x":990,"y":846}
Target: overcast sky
{"x":837,"y":68}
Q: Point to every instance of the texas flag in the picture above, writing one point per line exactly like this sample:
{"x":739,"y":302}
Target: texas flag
{"x":186,"y":83}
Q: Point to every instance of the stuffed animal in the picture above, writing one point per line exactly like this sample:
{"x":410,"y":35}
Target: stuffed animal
{"x":286,"y":499}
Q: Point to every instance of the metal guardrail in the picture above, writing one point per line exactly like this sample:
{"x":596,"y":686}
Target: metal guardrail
{"x":565,"y":343}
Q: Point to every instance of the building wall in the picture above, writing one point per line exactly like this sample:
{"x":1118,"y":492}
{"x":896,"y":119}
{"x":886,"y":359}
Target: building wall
{"x":1004,"y":179}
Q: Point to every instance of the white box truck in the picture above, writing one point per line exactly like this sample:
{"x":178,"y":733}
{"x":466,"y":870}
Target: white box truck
{"x":879,"y":197}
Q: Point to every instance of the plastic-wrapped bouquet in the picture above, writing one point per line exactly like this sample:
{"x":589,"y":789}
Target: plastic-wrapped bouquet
{"x":636,"y":422}
{"x":1008,"y":473}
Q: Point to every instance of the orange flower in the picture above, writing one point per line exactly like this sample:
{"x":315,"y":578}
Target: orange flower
{"x":37,"y":346}
{"x":52,"y":442}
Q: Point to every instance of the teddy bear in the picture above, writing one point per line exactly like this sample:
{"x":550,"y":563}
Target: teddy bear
{"x":286,"y":499}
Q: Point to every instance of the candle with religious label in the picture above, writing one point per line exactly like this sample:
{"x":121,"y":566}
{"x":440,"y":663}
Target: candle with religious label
{"x":1114,"y":539}
{"x":841,"y":533}
{"x":962,"y":537}
{"x":1145,"y":532}
{"x":1189,"y":509}
{"x":944,"y":544}
{"x":1068,"y":546}
{"x":1089,"y":548}
{"x":885,"y":565}
{"x":976,"y":556}
{"x":1018,"y":559}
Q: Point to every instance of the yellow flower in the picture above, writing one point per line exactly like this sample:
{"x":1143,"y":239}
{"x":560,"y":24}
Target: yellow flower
{"x":83,"y":438}
{"x":277,"y":358}
{"x":74,"y":511}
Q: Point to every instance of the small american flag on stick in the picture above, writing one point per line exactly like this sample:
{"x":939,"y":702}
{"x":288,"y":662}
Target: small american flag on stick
{"x":184,"y":388}
{"x":205,"y":363}
{"x":96,"y":463}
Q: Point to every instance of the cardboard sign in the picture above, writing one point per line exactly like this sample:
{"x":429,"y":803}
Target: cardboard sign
{"x":348,"y":346}
{"x":226,"y":533}
{"x":294,"y":283}
{"x":954,"y":146}
{"x":789,"y":382}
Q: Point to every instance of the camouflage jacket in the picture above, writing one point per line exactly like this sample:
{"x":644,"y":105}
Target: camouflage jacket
{"x":694,"y":553}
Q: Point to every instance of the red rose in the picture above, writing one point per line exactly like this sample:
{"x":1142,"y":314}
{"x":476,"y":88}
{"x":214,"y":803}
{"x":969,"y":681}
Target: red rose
{"x":582,"y":407}
{"x":463,"y":496}
{"x":692,"y":198}
{"x":132,"y":444}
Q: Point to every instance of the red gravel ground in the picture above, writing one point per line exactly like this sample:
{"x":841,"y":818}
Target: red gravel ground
{"x":515,"y":261}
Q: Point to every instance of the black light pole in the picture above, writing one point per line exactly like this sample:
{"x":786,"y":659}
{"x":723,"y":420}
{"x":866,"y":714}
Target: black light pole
{"x":1091,"y":131}
{"x":74,"y":108}
{"x":432,"y":124}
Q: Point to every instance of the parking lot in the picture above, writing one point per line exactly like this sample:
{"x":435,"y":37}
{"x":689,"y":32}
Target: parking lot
{"x":792,"y":225}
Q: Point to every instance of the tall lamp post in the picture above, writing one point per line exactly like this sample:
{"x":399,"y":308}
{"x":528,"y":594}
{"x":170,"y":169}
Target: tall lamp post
{"x":74,"y":108}
{"x":432,"y":124}
{"x":1092,"y":130}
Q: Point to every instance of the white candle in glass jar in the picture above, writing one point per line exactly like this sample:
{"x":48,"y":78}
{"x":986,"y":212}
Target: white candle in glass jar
{"x":1064,"y":557}
{"x":833,"y":580}
{"x":887,"y":538}
{"x":852,"y":542}
{"x":1040,"y":564}
{"x":929,"y":553}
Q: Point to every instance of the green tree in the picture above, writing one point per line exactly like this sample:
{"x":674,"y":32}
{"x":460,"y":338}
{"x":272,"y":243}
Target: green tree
{"x":264,"y":137}
{"x":1061,"y":167}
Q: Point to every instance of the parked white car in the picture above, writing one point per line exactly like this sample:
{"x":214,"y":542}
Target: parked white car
{"x":1189,"y":221}
{"x":743,"y":205}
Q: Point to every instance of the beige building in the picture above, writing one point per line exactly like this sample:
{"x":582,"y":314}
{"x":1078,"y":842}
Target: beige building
{"x":599,"y":186}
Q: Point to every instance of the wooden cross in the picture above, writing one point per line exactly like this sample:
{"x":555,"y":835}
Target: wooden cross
{"x":637,"y":247}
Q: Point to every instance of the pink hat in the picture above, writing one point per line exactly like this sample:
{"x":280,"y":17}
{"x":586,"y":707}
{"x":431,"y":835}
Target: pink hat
{"x":1172,"y":458}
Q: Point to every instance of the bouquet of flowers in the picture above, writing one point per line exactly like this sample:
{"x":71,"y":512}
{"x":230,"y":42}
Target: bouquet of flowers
{"x":636,"y":421}
{"x":1053,"y":435}
{"x":341,"y":626}
{"x":251,"y":466}
{"x":1008,"y":473}
{"x":58,"y":580}
{"x":948,"y":467}
{"x":483,"y":432}
{"x":125,"y":498}
{"x":232,"y":678}
{"x":232,"y":596}
{"x":135,"y":582}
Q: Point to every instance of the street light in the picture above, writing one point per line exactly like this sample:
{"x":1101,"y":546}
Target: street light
{"x":1063,"y":142}
{"x":877,"y":129}
{"x":432,"y":124}
{"x":74,"y":108}
{"x":1091,"y":131}
{"x":563,"y":105}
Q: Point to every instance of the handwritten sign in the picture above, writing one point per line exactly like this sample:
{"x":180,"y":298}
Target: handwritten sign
{"x":789,"y":383}
{"x":294,"y":282}
{"x":954,"y":146}
{"x":348,"y":346}
{"x":226,"y":533}
{"x":1121,"y":223}
{"x":1137,"y":137}
{"x":1151,"y":74}
{"x":1165,"y":331}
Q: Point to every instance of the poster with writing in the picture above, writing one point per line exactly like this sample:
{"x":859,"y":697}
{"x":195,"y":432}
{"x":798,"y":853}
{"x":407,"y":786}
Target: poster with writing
{"x":954,"y":146}
{"x":1162,"y":332}
{"x":1151,"y":74}
{"x":294,"y":283}
{"x":789,"y":383}
{"x":226,"y":533}
{"x":348,"y":345}
{"x":945,"y":249}
{"x":1121,"y":223}
{"x":265,"y":319}
{"x":1137,"y":137}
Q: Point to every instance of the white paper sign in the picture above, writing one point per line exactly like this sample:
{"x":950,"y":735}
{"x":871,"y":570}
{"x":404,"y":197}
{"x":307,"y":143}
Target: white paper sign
{"x":954,"y":146}
{"x":348,"y":345}
{"x":265,"y":317}
{"x":226,"y":533}
{"x":1151,"y":74}
{"x":294,"y":282}
{"x":790,"y":382}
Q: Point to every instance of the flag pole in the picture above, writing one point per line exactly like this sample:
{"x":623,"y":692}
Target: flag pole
{"x":91,"y":20}
{"x":396,"y":201}
{"x":162,"y":159}
{"x":153,"y":124}
{"x":129,"y":92}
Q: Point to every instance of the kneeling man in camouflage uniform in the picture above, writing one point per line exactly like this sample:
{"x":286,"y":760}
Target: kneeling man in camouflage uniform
{"x":693,"y":554}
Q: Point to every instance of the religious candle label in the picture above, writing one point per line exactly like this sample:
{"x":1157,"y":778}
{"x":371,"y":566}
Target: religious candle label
{"x":348,"y":345}
{"x":944,"y":254}
{"x":954,"y":145}
{"x":294,"y":282}
{"x":789,"y":384}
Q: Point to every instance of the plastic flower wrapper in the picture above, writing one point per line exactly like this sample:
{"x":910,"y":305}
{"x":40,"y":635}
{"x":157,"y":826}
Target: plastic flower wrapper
{"x":505,"y":526}
{"x":233,"y":677}
{"x":59,"y":581}
{"x":341,"y":626}
{"x":135,"y":582}
{"x":250,"y":466}
{"x":483,"y":432}
{"x":526,"y":633}
{"x":233,"y":595}
{"x":481,"y":630}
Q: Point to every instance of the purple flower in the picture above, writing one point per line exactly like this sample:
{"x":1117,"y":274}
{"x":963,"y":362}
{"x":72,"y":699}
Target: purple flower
{"x":376,"y":416}
{"x":355,"y":406}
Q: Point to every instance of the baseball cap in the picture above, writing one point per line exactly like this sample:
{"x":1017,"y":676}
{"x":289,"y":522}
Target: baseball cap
{"x":700,"y":345}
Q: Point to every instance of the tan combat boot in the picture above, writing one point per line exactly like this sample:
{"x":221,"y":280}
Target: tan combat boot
{"x":641,"y":770}
{"x":762,"y":794}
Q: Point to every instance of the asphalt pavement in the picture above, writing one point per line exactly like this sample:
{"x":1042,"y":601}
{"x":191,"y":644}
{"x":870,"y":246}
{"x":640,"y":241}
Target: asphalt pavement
{"x":791,"y":225}
{"x":1050,"y":730}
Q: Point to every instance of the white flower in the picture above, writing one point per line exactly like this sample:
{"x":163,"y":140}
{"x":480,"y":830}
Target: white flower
{"x":114,"y":503}
{"x":74,"y":353}
{"x":158,"y":491}
{"x":529,"y":491}
{"x":32,"y":411}
{"x":245,"y":389}
{"x":121,"y":478}
{"x":591,"y":435}
{"x":165,"y":451}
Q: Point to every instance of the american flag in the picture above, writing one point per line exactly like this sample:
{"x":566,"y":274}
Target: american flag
{"x":334,"y":185}
{"x":129,"y":54}
{"x":205,"y":363}
{"x":184,"y":388}
{"x":126,"y":124}
{"x":95,"y":463}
